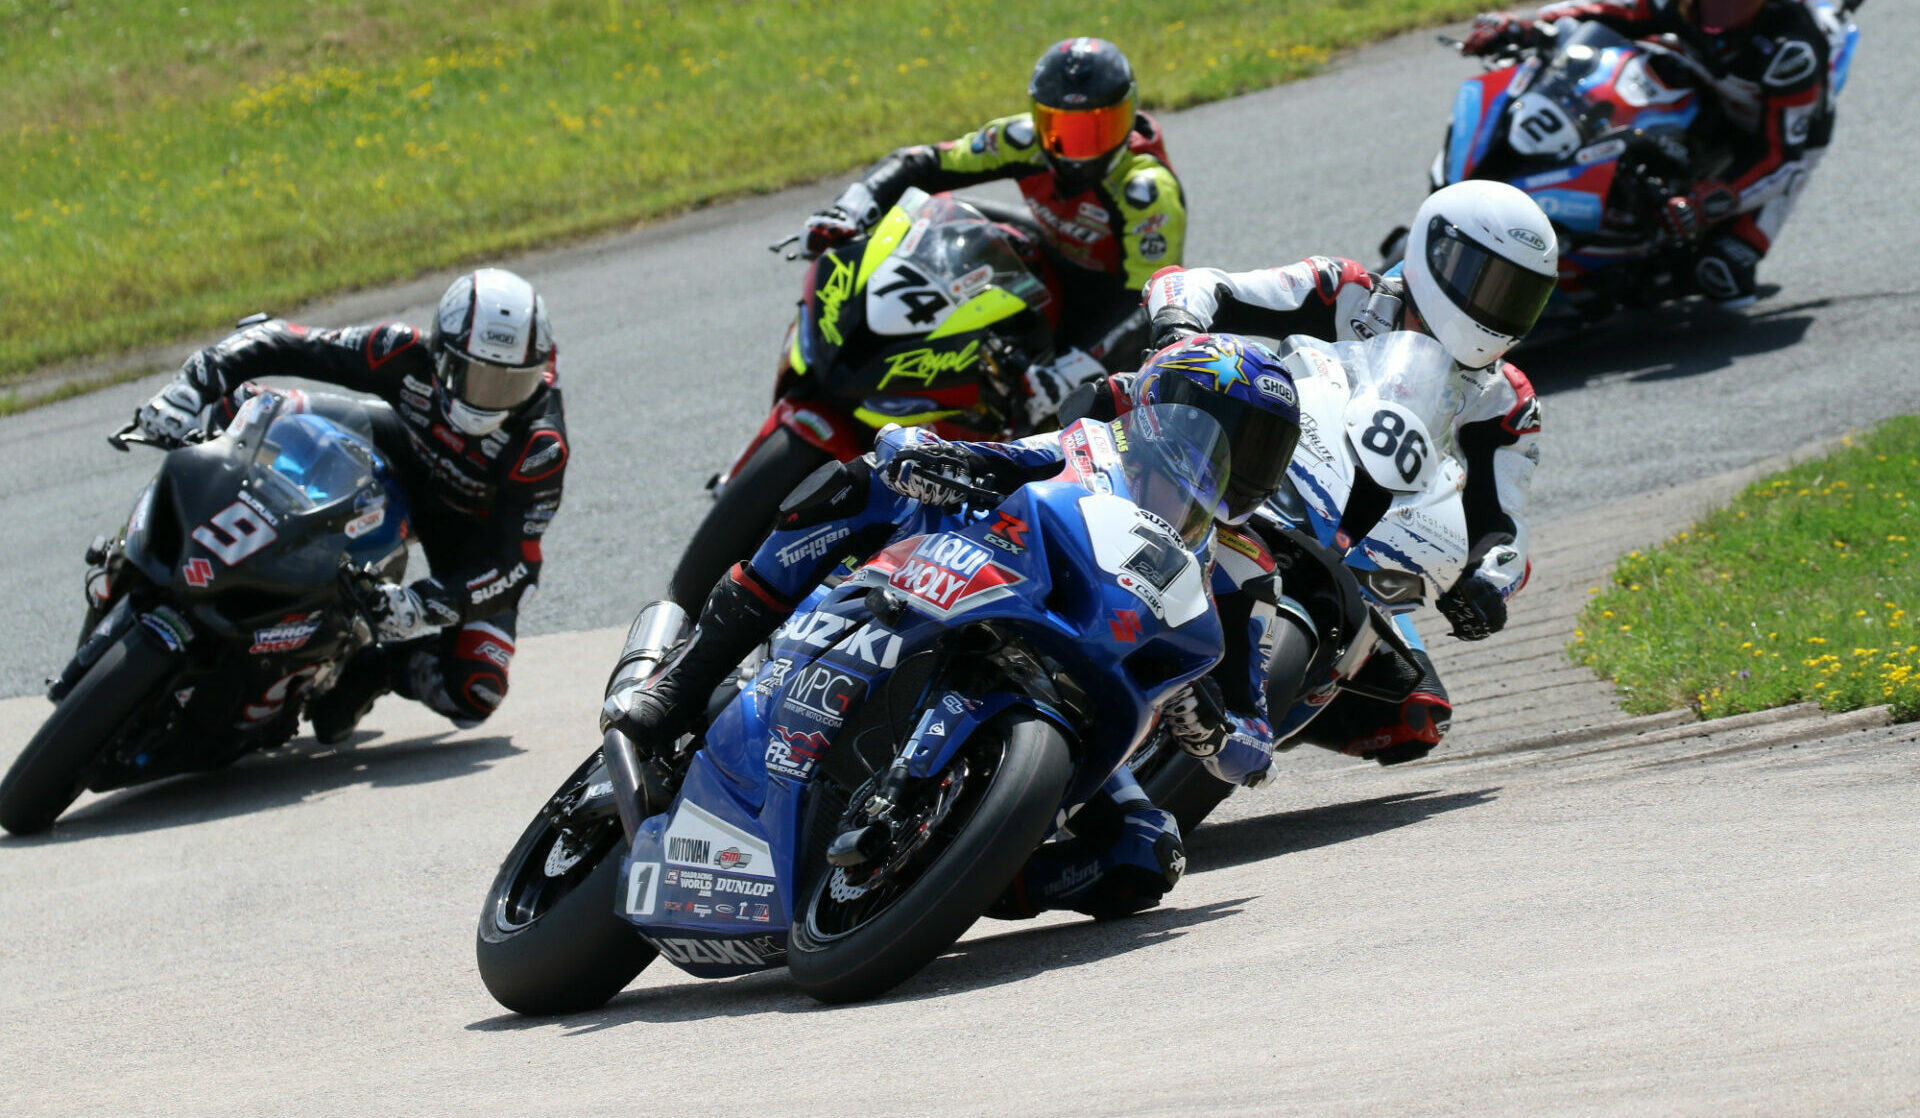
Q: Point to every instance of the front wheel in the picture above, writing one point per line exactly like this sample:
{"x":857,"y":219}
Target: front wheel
{"x":742,"y":514}
{"x":50,"y":773}
{"x":549,"y":941}
{"x":980,"y":820}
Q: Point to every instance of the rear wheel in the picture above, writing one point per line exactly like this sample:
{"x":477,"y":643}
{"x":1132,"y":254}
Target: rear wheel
{"x":858,"y":934}
{"x":51,"y":772}
{"x":1177,"y":782}
{"x":743,"y":513}
{"x":549,"y":941}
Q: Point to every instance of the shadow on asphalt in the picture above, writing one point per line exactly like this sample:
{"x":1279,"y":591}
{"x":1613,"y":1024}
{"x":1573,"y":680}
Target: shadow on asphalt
{"x":286,"y":776}
{"x":1651,"y":346}
{"x":1235,"y":843}
{"x":1019,"y":953}
{"x":1024,"y":951}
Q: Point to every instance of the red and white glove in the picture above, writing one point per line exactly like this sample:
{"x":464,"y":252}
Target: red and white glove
{"x":1493,"y":31}
{"x":1689,"y":216}
{"x":851,"y":214}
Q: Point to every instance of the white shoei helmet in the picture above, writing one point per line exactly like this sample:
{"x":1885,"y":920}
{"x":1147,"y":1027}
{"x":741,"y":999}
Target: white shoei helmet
{"x":492,"y":348}
{"x":1481,"y":261}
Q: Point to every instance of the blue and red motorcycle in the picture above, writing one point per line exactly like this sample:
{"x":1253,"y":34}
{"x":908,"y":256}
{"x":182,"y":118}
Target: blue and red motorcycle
{"x":1600,"y":130}
{"x":867,"y":789}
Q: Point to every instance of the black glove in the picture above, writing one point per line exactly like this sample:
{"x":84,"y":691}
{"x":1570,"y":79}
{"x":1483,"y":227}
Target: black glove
{"x":1172,"y":325}
{"x":1475,"y":608}
{"x":940,"y":474}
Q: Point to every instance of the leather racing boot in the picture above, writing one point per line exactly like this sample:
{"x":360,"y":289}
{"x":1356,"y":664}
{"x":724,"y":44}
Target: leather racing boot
{"x":336,"y":711}
{"x":1120,"y":862}
{"x":739,"y":614}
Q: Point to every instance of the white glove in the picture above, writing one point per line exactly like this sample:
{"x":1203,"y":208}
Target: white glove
{"x":1048,"y":383}
{"x":398,"y":612}
{"x":172,"y":414}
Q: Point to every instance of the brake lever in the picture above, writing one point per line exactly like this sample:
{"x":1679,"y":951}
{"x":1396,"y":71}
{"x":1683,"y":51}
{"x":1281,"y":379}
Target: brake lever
{"x":789,"y":242}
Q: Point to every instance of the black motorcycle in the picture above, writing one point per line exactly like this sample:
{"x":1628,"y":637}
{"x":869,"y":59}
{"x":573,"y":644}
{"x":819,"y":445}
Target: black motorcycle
{"x":227,"y":600}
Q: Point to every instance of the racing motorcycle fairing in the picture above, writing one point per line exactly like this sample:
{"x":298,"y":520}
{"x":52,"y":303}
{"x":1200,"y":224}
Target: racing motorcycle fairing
{"x":1076,"y":598}
{"x":928,"y":320}
{"x":1373,"y":476}
{"x":232,"y":557}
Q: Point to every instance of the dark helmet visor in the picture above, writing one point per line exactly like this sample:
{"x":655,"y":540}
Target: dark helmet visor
{"x":1261,"y":441}
{"x":1494,"y":291}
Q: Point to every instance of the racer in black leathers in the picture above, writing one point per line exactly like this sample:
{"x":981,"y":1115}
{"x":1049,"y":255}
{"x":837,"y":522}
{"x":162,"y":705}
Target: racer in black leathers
{"x":479,"y":503}
{"x":1102,"y":195}
{"x":1127,"y":852}
{"x":1771,"y":60}
{"x":1497,"y":436}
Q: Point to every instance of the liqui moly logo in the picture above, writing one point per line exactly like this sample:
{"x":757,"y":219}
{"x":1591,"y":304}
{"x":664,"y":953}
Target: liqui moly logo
{"x":950,"y":573}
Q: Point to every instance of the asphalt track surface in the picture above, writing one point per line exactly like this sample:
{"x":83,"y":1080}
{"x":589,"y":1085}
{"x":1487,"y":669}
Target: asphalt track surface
{"x":1658,"y":931}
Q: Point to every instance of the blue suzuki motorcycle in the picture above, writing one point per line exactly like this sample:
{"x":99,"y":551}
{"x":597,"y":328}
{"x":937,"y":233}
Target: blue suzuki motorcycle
{"x":908,"y":739}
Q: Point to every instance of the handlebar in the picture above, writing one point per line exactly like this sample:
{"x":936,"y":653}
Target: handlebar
{"x":789,"y":242}
{"x":132,"y":435}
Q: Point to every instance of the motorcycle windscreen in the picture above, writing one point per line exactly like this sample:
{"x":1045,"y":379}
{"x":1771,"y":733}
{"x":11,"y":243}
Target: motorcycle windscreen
{"x":1413,"y":371}
{"x":966,"y":252}
{"x":1173,"y":460}
{"x":305,"y":462}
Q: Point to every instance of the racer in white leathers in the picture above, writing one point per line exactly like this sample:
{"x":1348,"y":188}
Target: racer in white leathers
{"x":1481,"y":262}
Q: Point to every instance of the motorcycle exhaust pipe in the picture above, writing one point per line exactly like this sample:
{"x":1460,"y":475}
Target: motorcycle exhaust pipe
{"x":661,"y":627}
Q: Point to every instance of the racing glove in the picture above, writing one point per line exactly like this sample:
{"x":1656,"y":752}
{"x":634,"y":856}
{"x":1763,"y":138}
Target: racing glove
{"x":172,"y":414}
{"x":1476,"y":607}
{"x":1689,"y":216}
{"x":398,"y":612}
{"x":1049,"y":382}
{"x":1494,"y":31}
{"x":937,"y":473}
{"x":1170,"y":325}
{"x":851,"y":214}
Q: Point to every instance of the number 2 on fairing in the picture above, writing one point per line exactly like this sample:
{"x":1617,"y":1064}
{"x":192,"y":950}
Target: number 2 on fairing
{"x":234,"y":533}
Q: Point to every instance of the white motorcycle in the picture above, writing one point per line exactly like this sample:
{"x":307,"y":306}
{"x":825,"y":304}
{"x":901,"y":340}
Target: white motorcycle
{"x":1369,"y":521}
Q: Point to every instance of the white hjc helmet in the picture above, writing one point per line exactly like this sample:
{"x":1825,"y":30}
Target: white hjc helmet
{"x":1481,"y":261}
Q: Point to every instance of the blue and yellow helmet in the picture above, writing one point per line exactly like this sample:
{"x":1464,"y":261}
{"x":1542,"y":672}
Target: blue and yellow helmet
{"x":1243,"y":386}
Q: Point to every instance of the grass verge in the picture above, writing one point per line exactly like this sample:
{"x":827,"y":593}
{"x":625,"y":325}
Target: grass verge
{"x":1800,"y":590}
{"x":169,"y":166}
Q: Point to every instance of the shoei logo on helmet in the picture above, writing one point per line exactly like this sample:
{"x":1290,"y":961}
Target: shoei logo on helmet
{"x":1529,"y":238}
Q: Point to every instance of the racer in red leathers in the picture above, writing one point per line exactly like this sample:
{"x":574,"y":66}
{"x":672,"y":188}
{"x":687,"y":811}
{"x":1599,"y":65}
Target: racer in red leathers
{"x":1497,"y":431}
{"x":1771,"y":60}
{"x":1101,"y":192}
{"x":470,"y":418}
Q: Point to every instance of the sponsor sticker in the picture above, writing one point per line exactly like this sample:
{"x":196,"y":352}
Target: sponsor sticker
{"x":287,"y":636}
{"x":951,"y":573}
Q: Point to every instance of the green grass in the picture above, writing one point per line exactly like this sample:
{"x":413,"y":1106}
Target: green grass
{"x":1801,"y":590}
{"x":171,"y":165}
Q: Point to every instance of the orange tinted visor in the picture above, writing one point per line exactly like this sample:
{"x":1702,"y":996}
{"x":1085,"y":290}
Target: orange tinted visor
{"x":1083,"y":133}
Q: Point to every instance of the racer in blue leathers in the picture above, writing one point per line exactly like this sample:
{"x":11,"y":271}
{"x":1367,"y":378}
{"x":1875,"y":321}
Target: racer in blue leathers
{"x":1126,"y":853}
